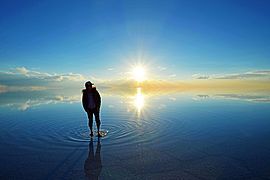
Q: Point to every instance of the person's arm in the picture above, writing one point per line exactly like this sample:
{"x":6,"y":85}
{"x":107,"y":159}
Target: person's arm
{"x":98,"y":100}
{"x":84,"y":102}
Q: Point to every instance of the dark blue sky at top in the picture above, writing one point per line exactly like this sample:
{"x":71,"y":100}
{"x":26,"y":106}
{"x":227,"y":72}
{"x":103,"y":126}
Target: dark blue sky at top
{"x":89,"y":37}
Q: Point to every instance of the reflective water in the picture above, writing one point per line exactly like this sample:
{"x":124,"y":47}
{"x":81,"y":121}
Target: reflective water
{"x":171,"y":136}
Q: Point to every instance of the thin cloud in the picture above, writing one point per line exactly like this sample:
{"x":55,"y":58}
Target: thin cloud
{"x":160,"y":68}
{"x":44,"y":76}
{"x":26,"y":72}
{"x":200,"y":76}
{"x":23,"y":79}
{"x":253,"y":75}
{"x":248,"y":75}
{"x":22,"y":70}
{"x":65,"y":77}
{"x":172,"y":75}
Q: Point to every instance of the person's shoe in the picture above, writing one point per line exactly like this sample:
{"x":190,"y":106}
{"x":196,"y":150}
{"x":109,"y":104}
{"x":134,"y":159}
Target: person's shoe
{"x":91,"y":134}
{"x":99,"y":135}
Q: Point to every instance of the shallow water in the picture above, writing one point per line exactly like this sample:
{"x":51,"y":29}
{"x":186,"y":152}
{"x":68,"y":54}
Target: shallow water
{"x":176,"y":136}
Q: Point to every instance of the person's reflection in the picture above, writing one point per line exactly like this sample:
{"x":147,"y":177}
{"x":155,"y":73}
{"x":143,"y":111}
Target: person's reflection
{"x":92,"y":165}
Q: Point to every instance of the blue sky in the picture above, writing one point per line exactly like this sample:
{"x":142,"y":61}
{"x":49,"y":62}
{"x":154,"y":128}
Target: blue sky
{"x":90,"y":37}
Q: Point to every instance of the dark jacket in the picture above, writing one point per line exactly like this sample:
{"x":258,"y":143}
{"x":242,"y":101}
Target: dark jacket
{"x":96,"y":96}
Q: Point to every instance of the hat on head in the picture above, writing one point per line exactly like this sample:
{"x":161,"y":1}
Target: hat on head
{"x":88,"y":83}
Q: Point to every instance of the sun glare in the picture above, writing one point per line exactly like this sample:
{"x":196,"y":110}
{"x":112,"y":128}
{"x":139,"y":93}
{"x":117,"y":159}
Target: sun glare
{"x":138,"y":73}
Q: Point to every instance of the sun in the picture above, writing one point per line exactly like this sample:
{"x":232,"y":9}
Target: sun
{"x":138,"y":73}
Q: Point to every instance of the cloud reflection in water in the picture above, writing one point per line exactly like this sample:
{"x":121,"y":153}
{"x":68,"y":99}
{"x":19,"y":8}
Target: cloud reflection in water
{"x":133,"y":98}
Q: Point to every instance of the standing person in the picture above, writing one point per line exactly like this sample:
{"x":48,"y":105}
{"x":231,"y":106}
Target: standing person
{"x":91,"y":103}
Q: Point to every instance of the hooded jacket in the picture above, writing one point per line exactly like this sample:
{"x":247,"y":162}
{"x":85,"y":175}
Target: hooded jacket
{"x":96,"y":96}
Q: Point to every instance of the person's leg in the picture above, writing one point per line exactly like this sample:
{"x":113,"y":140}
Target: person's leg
{"x":90,"y":121}
{"x":97,"y":118}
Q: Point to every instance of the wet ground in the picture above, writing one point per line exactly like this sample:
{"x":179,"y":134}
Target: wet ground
{"x":158,"y":137}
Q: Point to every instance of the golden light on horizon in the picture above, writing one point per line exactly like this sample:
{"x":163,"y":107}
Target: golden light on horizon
{"x":138,"y":73}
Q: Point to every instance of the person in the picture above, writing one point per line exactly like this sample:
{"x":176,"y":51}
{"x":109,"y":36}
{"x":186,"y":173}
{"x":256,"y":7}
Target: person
{"x":91,"y":101}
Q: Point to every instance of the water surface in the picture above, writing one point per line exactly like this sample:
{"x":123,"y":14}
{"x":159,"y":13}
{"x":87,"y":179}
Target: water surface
{"x":173,"y":136}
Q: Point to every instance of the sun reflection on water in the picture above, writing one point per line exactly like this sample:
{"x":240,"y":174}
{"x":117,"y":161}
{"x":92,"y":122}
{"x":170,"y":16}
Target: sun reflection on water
{"x":139,"y":100}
